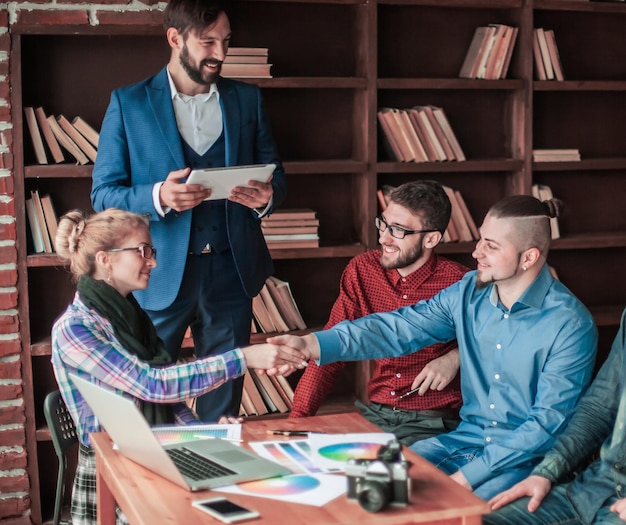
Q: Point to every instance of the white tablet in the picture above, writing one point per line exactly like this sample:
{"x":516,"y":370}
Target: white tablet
{"x":223,"y":180}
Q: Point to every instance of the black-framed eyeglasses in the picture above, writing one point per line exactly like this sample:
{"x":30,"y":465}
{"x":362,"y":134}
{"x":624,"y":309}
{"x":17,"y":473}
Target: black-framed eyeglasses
{"x":147,"y":252}
{"x":396,"y":231}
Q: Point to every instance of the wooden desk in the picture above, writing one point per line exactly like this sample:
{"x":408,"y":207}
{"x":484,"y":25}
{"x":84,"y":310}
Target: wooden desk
{"x":148,"y":499}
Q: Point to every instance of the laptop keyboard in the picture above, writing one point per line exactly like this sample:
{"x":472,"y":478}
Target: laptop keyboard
{"x":195,"y":466}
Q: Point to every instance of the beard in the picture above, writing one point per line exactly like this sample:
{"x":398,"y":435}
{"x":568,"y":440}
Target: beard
{"x":195,"y":73}
{"x":481,"y":285}
{"x":404,"y":259}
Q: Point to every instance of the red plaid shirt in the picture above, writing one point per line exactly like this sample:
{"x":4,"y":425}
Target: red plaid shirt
{"x":365,"y":288}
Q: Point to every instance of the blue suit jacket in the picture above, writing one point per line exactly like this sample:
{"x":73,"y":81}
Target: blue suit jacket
{"x":140,"y":145}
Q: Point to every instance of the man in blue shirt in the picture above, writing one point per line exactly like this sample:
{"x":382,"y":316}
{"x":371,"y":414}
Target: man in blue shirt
{"x":527,"y":349}
{"x":598,"y":494}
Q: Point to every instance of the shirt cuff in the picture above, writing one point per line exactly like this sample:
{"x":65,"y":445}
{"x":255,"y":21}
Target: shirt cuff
{"x":330,"y":347}
{"x":550,"y":468}
{"x":234,"y":364}
{"x":263,"y":212}
{"x":156,"y":189}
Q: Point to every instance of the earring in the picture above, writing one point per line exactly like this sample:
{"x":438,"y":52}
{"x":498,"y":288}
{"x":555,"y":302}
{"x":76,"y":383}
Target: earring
{"x":109,"y":280}
{"x":524,"y":268}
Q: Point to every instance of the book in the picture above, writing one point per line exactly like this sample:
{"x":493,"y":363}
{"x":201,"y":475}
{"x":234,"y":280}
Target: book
{"x":258,"y":51}
{"x":540,"y":68}
{"x":245,"y":59}
{"x":270,"y":225}
{"x":289,"y":230}
{"x":423,"y":121}
{"x":85,"y":146}
{"x":253,"y":393}
{"x":247,"y":407}
{"x":286,"y":387}
{"x":393,"y":124}
{"x":277,"y":318}
{"x":288,"y":301}
{"x":51,"y":218}
{"x":246,"y":70}
{"x":473,"y":52}
{"x":265,"y":385}
{"x":443,"y":122}
{"x":545,"y":54}
{"x":65,"y":141}
{"x":47,"y":242}
{"x":289,"y":214}
{"x":485,"y":51}
{"x":86,"y":131}
{"x":283,"y":395}
{"x":281,"y":245}
{"x":441,"y":137}
{"x":496,"y":66}
{"x":555,"y":155}
{"x":51,"y":141}
{"x":509,"y":53}
{"x":498,"y":49}
{"x":262,"y":316}
{"x":415,"y":143}
{"x":35,"y":135}
{"x":393,"y":149}
{"x":290,"y":236}
{"x":458,"y":218}
{"x":466,"y":214}
{"x":555,"y":57}
{"x":417,"y":126}
{"x":35,"y":227}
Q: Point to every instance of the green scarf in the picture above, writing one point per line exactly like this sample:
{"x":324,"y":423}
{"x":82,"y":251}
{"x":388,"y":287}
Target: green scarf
{"x":135,"y":332}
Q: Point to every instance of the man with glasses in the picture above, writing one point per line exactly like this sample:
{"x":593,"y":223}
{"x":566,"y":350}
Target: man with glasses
{"x":527,"y":348}
{"x":403,"y":271}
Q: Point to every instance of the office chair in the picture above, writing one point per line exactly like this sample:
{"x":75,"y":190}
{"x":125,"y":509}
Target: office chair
{"x":64,"y":436}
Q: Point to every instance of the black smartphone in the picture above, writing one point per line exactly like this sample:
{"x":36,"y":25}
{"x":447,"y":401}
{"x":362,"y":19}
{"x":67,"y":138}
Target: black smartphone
{"x":225,"y":510}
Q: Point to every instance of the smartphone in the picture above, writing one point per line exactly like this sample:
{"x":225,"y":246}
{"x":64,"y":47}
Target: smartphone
{"x":225,"y":510}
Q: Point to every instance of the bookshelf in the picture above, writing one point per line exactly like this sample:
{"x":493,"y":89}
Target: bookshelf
{"x":322,"y":102}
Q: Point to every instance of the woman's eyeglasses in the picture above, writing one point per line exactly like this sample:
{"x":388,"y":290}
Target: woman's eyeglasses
{"x":147,"y":252}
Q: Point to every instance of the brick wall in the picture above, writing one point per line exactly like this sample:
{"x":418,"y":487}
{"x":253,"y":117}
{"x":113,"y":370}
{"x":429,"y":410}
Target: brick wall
{"x":15,"y":500}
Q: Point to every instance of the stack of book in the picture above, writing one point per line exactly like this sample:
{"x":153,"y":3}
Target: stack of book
{"x":42,"y":220}
{"x":419,"y":134}
{"x":547,"y":58}
{"x":274,"y":309}
{"x":489,"y":53}
{"x":291,"y":228}
{"x":556,"y":155}
{"x":263,"y":394}
{"x":77,"y":137}
{"x":246,"y":62}
{"x":544,"y":193}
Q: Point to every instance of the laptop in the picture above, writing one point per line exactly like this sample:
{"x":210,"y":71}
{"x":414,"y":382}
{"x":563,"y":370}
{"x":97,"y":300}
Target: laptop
{"x":194,"y":465}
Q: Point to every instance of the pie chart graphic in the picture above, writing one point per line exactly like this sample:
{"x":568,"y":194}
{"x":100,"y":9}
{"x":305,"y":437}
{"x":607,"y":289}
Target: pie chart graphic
{"x":283,"y":486}
{"x":345,"y":451}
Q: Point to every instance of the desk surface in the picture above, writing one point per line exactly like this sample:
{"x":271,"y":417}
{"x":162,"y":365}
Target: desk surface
{"x":148,"y":499}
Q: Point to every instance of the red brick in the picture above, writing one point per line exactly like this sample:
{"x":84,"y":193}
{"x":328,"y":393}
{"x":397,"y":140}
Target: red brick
{"x":9,"y":392}
{"x":10,"y":484}
{"x":7,"y":231}
{"x":8,"y":254}
{"x":4,"y":18}
{"x":15,"y":437}
{"x":12,"y":460}
{"x":10,"y":370}
{"x":6,"y":138}
{"x":8,"y":278}
{"x":8,"y":299}
{"x":8,"y":208}
{"x":22,"y":520}
{"x":7,"y":161}
{"x":13,"y":507}
{"x":5,"y":113}
{"x":11,"y":415}
{"x":56,"y":17}
{"x":153,"y":18}
{"x":5,"y":42}
{"x":10,"y":348}
{"x":4,"y":66}
{"x":9,"y":324}
{"x":7,"y":186}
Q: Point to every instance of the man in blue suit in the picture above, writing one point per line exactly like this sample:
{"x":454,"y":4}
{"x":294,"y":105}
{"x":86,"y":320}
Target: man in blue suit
{"x":212,"y":255}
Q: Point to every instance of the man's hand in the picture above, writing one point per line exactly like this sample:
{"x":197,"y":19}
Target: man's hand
{"x":270,"y":357}
{"x":536,"y":487}
{"x":179,"y":196}
{"x":437,"y":374}
{"x":460,"y":479}
{"x":305,"y":344}
{"x":256,"y":197}
{"x":619,"y":507}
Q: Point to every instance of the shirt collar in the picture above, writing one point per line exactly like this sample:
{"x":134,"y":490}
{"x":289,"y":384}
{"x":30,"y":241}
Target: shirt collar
{"x":202,"y":97}
{"x":534,"y":294}
{"x":416,"y":278}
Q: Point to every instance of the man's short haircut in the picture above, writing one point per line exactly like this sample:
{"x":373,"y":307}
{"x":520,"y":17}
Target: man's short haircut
{"x":534,"y":230}
{"x":426,"y":199}
{"x":192,"y":15}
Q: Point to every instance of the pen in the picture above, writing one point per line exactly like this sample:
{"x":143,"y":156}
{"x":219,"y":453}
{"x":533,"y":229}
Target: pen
{"x":406,"y":394}
{"x":291,"y":432}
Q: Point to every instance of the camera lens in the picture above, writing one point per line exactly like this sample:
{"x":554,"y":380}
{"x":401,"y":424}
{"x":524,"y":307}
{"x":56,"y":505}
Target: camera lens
{"x":374,"y":496}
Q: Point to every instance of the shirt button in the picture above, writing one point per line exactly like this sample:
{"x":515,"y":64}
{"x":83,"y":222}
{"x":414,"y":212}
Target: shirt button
{"x":506,"y":316}
{"x":398,"y":375}
{"x":488,"y":440}
{"x":492,"y":406}
{"x":494,"y":423}
{"x":619,"y":488}
{"x":617,"y":467}
{"x":393,"y":393}
{"x":498,"y":346}
{"x":405,"y":296}
{"x":403,"y":279}
{"x":497,"y":376}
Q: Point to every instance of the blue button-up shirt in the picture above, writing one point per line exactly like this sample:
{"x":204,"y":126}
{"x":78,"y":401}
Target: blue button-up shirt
{"x":523,"y":370}
{"x":600,"y":418}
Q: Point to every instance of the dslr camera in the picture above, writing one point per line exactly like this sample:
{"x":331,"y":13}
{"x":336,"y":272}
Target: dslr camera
{"x":379,"y":482}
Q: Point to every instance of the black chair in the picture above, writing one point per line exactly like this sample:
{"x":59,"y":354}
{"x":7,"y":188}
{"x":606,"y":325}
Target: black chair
{"x":64,"y":436}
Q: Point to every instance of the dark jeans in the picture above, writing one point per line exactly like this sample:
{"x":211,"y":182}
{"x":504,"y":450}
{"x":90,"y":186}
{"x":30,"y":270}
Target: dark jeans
{"x":408,"y":426}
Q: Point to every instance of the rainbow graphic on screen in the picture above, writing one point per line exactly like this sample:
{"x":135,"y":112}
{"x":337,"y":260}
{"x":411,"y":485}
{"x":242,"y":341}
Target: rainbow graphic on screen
{"x":168,"y":436}
{"x":283,"y":486}
{"x":344,"y":451}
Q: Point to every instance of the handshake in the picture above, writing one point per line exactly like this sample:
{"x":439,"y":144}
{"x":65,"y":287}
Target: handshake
{"x":282,"y":354}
